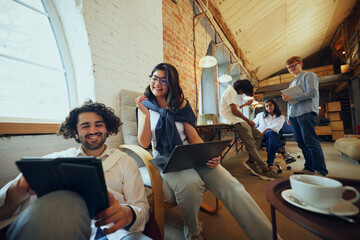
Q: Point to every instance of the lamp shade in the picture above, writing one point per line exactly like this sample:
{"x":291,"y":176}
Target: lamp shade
{"x":207,"y":61}
{"x":225,"y":78}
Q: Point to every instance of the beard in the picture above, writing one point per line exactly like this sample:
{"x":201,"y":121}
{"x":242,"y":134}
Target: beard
{"x":88,"y":144}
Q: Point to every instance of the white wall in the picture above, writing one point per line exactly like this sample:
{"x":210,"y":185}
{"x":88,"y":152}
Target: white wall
{"x":125,"y":40}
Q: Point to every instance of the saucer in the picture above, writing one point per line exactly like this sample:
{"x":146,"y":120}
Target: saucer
{"x":341,"y":209}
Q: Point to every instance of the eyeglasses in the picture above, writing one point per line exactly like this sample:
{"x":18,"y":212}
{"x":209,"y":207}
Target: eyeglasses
{"x":155,"y":79}
{"x":292,"y":65}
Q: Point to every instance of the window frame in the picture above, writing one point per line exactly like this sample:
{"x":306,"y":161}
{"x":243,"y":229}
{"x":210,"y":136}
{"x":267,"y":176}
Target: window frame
{"x":23,"y":126}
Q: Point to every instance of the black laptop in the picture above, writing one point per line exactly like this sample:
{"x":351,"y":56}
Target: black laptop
{"x":190,"y":156}
{"x":83,"y":175}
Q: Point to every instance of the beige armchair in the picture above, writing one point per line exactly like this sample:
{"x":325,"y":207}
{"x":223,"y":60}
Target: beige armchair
{"x":150,"y":174}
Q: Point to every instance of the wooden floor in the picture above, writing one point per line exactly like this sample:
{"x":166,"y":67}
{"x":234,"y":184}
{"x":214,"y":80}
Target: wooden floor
{"x":223,"y":226}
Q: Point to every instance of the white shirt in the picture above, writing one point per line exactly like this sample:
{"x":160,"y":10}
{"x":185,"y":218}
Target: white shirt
{"x":123,"y":180}
{"x":154,"y":118}
{"x":229,"y":97}
{"x":272,"y":122}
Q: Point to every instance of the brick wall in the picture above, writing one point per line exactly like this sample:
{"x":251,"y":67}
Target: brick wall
{"x":178,"y":44}
{"x":125,"y":39}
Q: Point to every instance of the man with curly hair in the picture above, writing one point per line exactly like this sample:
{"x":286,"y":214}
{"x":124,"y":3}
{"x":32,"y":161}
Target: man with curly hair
{"x":63,"y":214}
{"x":245,"y":128}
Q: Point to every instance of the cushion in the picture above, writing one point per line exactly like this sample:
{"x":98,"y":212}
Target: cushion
{"x":128,"y":117}
{"x":349,"y":146}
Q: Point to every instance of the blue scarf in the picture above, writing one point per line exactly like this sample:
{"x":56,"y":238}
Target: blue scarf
{"x":167,"y":135}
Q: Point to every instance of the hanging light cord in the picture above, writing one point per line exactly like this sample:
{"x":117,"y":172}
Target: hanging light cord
{"x":196,"y":90}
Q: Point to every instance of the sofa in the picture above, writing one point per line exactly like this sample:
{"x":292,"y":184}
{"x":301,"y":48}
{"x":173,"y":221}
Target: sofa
{"x":350,"y":147}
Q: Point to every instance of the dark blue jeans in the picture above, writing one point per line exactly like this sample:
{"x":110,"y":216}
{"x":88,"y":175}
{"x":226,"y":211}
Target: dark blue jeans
{"x":304,"y":133}
{"x":273,"y":145}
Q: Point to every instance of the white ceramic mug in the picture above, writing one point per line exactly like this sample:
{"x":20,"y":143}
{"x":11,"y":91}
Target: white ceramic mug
{"x":320,"y":192}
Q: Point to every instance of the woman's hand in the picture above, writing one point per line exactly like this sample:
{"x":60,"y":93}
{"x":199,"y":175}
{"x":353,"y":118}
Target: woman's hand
{"x":214,"y":162}
{"x":263,"y":132}
{"x":120,"y":216}
{"x":140,"y":106}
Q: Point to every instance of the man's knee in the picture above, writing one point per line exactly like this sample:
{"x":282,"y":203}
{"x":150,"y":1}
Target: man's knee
{"x":57,"y":215}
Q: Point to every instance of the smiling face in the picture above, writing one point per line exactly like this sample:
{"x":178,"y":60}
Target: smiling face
{"x":91,"y":131}
{"x":269,"y":107}
{"x":157,"y":84}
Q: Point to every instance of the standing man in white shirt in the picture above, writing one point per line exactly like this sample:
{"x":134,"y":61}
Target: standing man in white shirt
{"x":245,"y":127}
{"x":63,"y":214}
{"x":302,"y":116}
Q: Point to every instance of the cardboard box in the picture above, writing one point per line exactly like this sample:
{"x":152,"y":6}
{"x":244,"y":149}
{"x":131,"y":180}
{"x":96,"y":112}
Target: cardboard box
{"x":333,"y":107}
{"x":334,"y":116}
{"x":337,"y":125}
{"x":337,"y":134}
{"x":323,"y":130}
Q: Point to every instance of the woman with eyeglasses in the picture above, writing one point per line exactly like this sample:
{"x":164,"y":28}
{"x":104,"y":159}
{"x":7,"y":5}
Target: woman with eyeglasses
{"x":269,"y":123}
{"x":164,"y":105}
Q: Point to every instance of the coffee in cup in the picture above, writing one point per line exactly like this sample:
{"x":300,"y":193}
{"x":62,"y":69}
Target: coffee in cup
{"x":320,"y":192}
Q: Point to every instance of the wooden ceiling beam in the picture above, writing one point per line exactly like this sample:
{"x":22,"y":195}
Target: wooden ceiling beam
{"x":329,"y":79}
{"x":224,"y":32}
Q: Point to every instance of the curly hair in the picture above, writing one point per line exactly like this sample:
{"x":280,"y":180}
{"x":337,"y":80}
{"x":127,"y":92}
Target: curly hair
{"x":112,"y":122}
{"x":245,"y":86}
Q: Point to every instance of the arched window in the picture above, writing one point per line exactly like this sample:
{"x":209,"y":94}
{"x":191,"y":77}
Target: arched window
{"x":35,"y":74}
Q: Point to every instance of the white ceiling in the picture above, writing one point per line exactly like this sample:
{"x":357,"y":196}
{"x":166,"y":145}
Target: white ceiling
{"x":270,"y":31}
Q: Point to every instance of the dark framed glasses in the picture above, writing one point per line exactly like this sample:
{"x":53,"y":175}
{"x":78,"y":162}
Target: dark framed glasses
{"x":292,"y":65}
{"x":156,"y":79}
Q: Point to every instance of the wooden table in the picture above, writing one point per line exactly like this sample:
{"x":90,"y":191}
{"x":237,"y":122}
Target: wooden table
{"x":325,"y":226}
{"x":214,"y":132}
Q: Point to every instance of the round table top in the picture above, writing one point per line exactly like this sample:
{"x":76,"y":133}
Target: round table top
{"x":325,"y":226}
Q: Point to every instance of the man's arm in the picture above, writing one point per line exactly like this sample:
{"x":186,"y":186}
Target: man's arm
{"x":239,"y":114}
{"x":16,"y":194}
{"x":248,"y":103}
{"x":129,"y":194}
{"x":311,"y":81}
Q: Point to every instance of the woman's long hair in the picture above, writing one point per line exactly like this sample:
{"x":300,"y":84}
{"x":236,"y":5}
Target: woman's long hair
{"x":277,"y":110}
{"x":175,"y":95}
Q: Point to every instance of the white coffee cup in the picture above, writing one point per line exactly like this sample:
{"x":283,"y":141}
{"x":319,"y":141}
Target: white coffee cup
{"x":320,"y":192}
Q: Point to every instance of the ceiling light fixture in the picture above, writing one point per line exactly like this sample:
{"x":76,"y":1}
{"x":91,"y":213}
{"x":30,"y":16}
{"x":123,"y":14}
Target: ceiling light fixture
{"x":207,"y":61}
{"x":225,"y":78}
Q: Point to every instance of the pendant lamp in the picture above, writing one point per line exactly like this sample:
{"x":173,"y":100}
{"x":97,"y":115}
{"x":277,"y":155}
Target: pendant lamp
{"x":225,"y":78}
{"x":208,"y":61}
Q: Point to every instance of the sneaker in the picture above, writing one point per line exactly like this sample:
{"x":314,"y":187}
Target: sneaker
{"x":189,"y":236}
{"x":268,"y":168}
{"x":253,"y":167}
{"x":288,"y":158}
{"x":305,"y":171}
{"x":269,"y":176}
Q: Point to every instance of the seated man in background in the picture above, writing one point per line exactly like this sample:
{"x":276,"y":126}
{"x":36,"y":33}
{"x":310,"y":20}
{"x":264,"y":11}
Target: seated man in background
{"x":245,"y":127}
{"x":63,"y":214}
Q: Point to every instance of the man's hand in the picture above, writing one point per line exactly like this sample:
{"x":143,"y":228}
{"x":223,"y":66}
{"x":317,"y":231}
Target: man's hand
{"x":15,"y":195}
{"x":286,"y":98}
{"x":248,"y":103}
{"x":120,"y":216}
{"x":214,"y":162}
{"x":19,"y":191}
